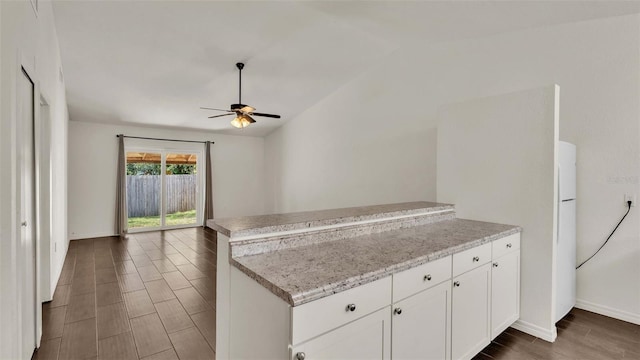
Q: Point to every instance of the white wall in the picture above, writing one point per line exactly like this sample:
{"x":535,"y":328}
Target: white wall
{"x":32,"y":41}
{"x":373,"y":140}
{"x":238,"y":174}
{"x":497,"y":161}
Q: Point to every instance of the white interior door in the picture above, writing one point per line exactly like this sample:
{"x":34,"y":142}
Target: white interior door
{"x":26,"y":259}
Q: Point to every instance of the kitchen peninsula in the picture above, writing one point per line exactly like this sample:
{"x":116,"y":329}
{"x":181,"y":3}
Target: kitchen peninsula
{"x":330,"y":284}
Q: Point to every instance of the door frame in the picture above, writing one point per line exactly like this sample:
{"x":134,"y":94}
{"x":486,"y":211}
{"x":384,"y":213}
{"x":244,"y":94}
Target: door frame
{"x":43,"y":177}
{"x":157,"y":147}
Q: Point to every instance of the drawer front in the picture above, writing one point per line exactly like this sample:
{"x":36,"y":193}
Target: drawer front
{"x":412,"y":281}
{"x":330,"y":312}
{"x":471,"y":258}
{"x":506,"y":245}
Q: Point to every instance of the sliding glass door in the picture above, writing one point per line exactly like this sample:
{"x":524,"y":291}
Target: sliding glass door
{"x":181,"y":188}
{"x":163,"y":188}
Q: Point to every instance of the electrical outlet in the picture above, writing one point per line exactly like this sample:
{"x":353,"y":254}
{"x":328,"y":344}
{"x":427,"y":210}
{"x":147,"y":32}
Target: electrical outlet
{"x":630,"y":197}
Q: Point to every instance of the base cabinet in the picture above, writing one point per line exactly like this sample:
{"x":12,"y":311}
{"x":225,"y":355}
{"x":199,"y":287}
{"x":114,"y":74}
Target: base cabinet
{"x":421,"y":325}
{"x":505,"y":292}
{"x":470,"y":312}
{"x":446,"y":309}
{"x":366,"y":338}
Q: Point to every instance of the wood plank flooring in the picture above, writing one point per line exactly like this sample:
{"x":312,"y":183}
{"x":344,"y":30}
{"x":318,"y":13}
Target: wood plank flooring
{"x":582,"y":335}
{"x":152,"y":296}
{"x":149,"y":296}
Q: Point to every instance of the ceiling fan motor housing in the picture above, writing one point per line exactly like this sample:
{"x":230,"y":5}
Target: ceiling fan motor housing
{"x":235,"y":107}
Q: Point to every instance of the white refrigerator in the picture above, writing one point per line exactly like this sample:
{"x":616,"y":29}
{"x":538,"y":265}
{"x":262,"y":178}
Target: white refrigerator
{"x":566,"y":247}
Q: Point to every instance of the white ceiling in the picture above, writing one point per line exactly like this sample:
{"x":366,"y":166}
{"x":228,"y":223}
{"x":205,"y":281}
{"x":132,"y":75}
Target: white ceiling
{"x":155,"y":63}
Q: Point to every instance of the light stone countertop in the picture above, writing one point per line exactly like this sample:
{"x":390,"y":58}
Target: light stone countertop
{"x":265,"y":224}
{"x":303,"y":274}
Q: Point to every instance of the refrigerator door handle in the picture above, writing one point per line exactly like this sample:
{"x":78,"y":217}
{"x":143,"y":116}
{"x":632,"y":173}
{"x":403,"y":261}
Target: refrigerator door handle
{"x":558,"y":207}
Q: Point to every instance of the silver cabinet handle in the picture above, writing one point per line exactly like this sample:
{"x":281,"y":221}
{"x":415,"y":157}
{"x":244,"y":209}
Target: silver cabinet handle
{"x":427,"y":277}
{"x":351,"y":307}
{"x":509,"y":246}
{"x":397,"y":311}
{"x":456,"y":284}
{"x":301,"y":356}
{"x":476,"y":258}
{"x":24,"y":224}
{"x":495,"y":264}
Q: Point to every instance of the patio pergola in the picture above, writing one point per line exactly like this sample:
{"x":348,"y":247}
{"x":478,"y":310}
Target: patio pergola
{"x":154,"y":158}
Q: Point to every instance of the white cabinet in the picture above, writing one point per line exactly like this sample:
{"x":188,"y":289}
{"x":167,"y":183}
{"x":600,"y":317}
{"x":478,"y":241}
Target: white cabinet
{"x":420,"y":313}
{"x":505,"y":291}
{"x":366,"y":338}
{"x":317,"y":317}
{"x":421,"y":325}
{"x":470,"y":308}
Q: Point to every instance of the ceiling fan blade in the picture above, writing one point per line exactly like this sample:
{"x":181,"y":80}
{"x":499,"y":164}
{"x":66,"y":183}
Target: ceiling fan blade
{"x":208,"y":108}
{"x":250,"y":119}
{"x":215,"y":116}
{"x":267,"y":115}
{"x":247,"y":109}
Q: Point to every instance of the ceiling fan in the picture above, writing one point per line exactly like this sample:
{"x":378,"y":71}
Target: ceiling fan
{"x":242,"y":112}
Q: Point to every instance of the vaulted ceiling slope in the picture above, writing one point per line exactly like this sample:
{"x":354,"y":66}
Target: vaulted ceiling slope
{"x":155,"y":63}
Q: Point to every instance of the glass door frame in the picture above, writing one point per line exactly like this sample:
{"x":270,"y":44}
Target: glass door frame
{"x":186,"y":148}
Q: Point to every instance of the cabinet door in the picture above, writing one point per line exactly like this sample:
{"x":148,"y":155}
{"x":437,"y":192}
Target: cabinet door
{"x":366,"y":338}
{"x":470,"y":312}
{"x":505,"y":292}
{"x":421,"y":325}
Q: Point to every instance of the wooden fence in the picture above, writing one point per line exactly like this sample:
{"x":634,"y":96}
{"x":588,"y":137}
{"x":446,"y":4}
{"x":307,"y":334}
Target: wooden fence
{"x":143,"y":194}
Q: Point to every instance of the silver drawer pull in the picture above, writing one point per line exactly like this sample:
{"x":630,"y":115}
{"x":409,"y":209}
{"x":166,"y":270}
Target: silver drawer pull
{"x":495,"y":264}
{"x":427,"y":277}
{"x":301,"y":356}
{"x":509,"y":246}
{"x":351,"y":307}
{"x":456,"y":284}
{"x":476,"y":258}
{"x":397,"y":311}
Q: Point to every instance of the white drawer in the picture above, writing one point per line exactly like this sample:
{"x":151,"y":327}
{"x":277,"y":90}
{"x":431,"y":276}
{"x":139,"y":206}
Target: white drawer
{"x":314,"y":318}
{"x":506,"y":245}
{"x":471,"y":258}
{"x":412,"y":281}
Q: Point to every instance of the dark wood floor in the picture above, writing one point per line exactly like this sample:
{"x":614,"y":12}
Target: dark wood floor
{"x":582,"y":335}
{"x":150,"y":296}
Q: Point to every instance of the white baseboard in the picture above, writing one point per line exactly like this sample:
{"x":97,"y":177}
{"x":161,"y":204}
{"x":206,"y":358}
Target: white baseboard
{"x":535,"y":330}
{"x":608,"y":311}
{"x":89,"y":236}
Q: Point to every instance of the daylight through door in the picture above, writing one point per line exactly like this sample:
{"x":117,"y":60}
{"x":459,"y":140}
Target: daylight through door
{"x":163,"y":189}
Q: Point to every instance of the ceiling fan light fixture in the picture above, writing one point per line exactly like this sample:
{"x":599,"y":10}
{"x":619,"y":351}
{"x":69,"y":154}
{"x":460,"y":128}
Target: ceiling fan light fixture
{"x":241,"y":121}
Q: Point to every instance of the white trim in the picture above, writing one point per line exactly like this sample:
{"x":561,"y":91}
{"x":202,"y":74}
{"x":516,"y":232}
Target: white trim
{"x":535,"y":330}
{"x":44,"y":193}
{"x":608,"y":311}
{"x":162,"y":228}
{"x":336,"y":226}
{"x":95,"y":235}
